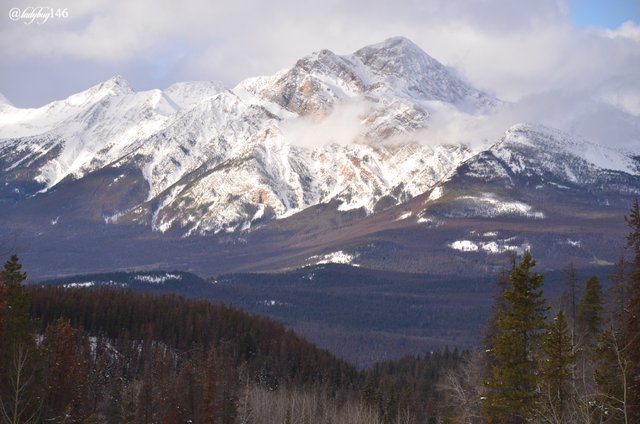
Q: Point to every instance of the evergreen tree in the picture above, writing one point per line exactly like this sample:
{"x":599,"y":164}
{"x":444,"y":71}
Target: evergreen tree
{"x":618,"y":294}
{"x":570,"y":297}
{"x":17,"y":327}
{"x":590,"y":310}
{"x":18,"y":397}
{"x":557,"y":368}
{"x":513,"y":385}
{"x":498,"y":309}
{"x":631,"y":330}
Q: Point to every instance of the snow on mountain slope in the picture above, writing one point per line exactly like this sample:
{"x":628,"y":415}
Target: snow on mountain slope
{"x":90,"y":129}
{"x":213,"y":131}
{"x":528,"y":169}
{"x":397,"y":85}
{"x":395,"y":70}
{"x":397,"y":65}
{"x":273,"y":179}
{"x":536,"y":148}
{"x":217,"y":159}
{"x":16,"y":122}
{"x":224,"y":160}
{"x":187,"y":94}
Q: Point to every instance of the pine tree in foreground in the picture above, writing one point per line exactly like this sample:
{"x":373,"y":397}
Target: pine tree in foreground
{"x":590,"y":311}
{"x":18,"y":385}
{"x":557,"y":369}
{"x":512,"y":388}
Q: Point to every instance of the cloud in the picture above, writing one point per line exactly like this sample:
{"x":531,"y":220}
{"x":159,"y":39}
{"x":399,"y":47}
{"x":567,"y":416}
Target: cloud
{"x":628,"y":29}
{"x":343,"y":125}
{"x":594,"y":120}
{"x":519,"y":53}
{"x":503,"y":46}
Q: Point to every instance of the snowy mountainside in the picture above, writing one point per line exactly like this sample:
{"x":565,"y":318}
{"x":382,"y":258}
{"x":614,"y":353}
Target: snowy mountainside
{"x":532,"y":168}
{"x":216,"y":159}
{"x":196,"y":158}
{"x":82,"y":133}
{"x":394,"y":71}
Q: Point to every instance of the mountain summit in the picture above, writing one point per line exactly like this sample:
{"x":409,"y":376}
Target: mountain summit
{"x":335,"y":141}
{"x":395,"y":70}
{"x":196,"y":145}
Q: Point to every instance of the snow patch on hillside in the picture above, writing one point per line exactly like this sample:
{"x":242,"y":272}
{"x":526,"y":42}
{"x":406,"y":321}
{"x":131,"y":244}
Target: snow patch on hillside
{"x":75,"y":285}
{"x":492,"y":247}
{"x":158,"y":279}
{"x":436,"y":193}
{"x":489,"y":205}
{"x":85,"y":284}
{"x":339,"y":257}
{"x":464,"y":246}
{"x":404,"y":216}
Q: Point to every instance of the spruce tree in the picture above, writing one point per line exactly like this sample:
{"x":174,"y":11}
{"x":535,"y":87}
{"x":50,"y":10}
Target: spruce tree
{"x":512,"y":389}
{"x":18,"y":396}
{"x":558,"y":364}
{"x":618,"y":294}
{"x":498,"y":309}
{"x":590,"y":310}
{"x":570,"y":297}
{"x":17,"y":327}
{"x":631,"y":330}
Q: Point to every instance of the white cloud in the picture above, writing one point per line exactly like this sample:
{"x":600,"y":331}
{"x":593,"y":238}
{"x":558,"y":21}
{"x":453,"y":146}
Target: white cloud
{"x":628,"y":29}
{"x":529,"y":55}
{"x":343,"y":125}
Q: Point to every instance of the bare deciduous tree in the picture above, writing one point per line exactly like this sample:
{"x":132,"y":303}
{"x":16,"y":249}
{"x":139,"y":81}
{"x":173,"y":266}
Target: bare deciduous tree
{"x":19,"y":407}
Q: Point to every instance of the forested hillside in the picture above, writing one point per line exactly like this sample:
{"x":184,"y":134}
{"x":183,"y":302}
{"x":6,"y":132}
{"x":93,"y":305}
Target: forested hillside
{"x":111,"y":355}
{"x":107,"y":355}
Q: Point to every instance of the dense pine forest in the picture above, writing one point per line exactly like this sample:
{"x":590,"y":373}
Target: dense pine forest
{"x":109,"y":355}
{"x":80,"y":355}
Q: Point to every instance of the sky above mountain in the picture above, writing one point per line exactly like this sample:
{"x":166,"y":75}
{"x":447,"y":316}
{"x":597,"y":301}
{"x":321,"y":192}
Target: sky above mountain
{"x":546,"y":54}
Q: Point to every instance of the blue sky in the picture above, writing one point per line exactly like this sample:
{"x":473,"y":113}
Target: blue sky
{"x":604,"y":13}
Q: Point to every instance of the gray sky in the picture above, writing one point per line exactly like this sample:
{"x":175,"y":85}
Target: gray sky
{"x":515,"y":50}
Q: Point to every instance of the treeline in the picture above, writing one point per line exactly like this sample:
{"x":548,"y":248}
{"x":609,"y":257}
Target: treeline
{"x":185,"y":324}
{"x":106,"y":355}
{"x":407,"y":390}
{"x":112,"y":356}
{"x":118,"y":356}
{"x":579,"y":363}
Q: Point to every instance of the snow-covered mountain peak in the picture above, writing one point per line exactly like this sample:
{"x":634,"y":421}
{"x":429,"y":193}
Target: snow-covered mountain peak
{"x":210,"y":159}
{"x":118,"y":84}
{"x":394,"y":47}
{"x":535,"y":140}
{"x":399,"y":65}
{"x":187,"y":94}
{"x":396,"y":77}
{"x":114,"y":86}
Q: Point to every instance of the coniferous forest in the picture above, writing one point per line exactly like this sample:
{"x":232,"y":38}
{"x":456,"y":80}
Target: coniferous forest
{"x":79,"y":355}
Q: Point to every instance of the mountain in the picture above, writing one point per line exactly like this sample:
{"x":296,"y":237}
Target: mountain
{"x":326,"y":159}
{"x":544,"y":166}
{"x":216,"y":159}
